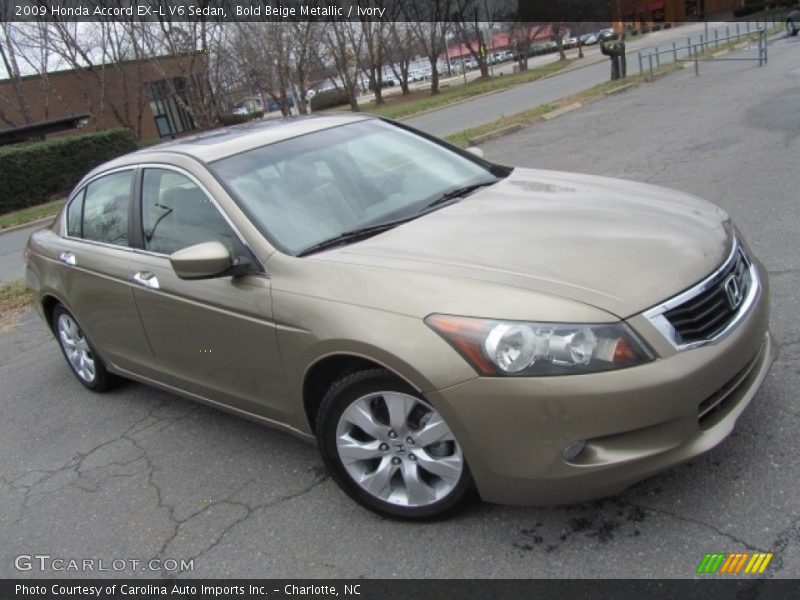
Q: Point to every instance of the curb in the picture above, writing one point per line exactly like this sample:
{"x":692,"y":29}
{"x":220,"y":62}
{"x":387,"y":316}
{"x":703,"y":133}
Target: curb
{"x":497,"y":133}
{"x":505,"y":89}
{"x":561,"y":111}
{"x":42,"y":221}
{"x":620,"y":89}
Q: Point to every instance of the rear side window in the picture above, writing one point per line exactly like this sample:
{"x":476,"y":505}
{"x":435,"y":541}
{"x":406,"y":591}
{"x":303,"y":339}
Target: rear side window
{"x":105,"y":209}
{"x":177,"y":214}
{"x":74,"y":211}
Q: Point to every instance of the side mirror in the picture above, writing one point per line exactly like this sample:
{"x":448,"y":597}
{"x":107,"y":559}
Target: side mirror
{"x":201,"y":261}
{"x":476,"y":151}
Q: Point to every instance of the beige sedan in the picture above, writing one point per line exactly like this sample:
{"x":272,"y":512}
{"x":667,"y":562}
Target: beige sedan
{"x":439,"y":324}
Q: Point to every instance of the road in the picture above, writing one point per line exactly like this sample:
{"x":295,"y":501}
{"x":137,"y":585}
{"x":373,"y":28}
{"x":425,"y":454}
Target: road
{"x":478,"y":111}
{"x":140,"y":473}
{"x":11,"y":245}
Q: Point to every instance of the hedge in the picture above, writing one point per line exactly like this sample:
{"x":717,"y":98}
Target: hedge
{"x":35,"y":172}
{"x":226,"y":120}
{"x":329,"y":99}
{"x":748,"y":9}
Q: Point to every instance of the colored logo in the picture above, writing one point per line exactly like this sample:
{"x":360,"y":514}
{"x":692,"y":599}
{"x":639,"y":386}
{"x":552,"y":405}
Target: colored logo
{"x":735,"y":563}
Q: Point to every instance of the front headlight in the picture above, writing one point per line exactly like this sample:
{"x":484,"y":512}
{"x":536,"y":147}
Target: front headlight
{"x":528,"y":349}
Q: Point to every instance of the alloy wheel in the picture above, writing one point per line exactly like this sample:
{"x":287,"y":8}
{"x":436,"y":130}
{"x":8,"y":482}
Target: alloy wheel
{"x":399,"y":449}
{"x":76,"y":348}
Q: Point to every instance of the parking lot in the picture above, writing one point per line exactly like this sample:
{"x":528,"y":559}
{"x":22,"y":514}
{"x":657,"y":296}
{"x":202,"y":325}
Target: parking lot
{"x":142,"y":474}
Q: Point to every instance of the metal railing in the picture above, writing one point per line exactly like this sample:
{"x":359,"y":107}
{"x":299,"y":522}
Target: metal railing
{"x":696,"y":51}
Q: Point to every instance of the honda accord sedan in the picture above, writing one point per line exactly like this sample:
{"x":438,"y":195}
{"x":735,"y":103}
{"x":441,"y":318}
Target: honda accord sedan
{"x":442,"y":326}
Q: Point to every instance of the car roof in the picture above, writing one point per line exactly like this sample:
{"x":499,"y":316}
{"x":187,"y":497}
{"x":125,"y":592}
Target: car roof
{"x":215,"y":144}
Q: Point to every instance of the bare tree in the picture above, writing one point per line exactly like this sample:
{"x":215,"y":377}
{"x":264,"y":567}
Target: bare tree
{"x":401,"y":50}
{"x":374,"y":34}
{"x":196,"y":43}
{"x":9,"y":54}
{"x":521,"y":37}
{"x":305,"y":39}
{"x":469,"y":31}
{"x":429,"y":20}
{"x":344,"y":44}
{"x":558,"y":31}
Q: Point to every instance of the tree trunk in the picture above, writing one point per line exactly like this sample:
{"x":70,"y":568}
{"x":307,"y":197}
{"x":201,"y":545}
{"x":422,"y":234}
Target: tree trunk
{"x":376,"y":78}
{"x":434,"y":79}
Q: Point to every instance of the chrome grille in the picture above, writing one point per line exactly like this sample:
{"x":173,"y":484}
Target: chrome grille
{"x":712,"y":308}
{"x":708,"y":313}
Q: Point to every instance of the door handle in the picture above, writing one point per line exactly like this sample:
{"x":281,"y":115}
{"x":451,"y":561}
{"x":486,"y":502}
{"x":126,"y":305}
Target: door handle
{"x":146,"y":279}
{"x":68,"y":258}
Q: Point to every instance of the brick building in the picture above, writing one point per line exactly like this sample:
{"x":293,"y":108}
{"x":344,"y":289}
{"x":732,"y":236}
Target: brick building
{"x":638,"y":13}
{"x":150,"y":96}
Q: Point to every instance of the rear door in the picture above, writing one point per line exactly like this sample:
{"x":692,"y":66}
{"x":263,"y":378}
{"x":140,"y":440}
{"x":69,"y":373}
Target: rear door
{"x":94,"y":255}
{"x":211,"y":337}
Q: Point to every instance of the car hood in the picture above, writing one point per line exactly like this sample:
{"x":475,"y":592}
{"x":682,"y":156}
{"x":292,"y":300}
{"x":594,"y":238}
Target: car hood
{"x":616,"y":245}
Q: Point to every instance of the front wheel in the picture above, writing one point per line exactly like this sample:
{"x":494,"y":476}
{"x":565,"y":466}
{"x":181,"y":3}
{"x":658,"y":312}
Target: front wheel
{"x":389,"y":449}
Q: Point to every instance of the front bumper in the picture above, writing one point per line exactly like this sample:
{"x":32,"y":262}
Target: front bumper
{"x":636,"y":421}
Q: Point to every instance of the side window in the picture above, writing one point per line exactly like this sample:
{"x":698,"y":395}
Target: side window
{"x":105,"y":209}
{"x":177,"y":214}
{"x":74,"y":211}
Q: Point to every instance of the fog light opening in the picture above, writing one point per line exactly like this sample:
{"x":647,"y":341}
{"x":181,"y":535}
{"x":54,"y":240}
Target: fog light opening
{"x":573,"y":450}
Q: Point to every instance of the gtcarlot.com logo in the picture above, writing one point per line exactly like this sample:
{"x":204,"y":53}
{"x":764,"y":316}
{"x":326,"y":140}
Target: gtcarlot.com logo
{"x":735,"y":563}
{"x":46,"y":562}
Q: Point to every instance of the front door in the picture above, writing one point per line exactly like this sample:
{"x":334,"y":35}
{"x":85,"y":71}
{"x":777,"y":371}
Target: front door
{"x":211,"y":337}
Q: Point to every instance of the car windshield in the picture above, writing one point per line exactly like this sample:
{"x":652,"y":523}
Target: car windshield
{"x":313,"y":188}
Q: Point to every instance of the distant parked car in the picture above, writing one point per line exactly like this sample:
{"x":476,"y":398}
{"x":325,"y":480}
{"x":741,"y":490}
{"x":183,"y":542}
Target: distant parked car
{"x":793,"y":22}
{"x":587,"y":39}
{"x":499,"y":57}
{"x":605,"y":35}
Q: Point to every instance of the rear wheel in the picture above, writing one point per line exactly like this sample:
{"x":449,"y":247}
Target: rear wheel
{"x":80,"y":355}
{"x":389,"y":449}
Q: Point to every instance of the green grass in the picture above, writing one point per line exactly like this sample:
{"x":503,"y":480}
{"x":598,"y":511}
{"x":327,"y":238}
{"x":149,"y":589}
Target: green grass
{"x":397,"y":106}
{"x":535,"y":114}
{"x":15,"y":297}
{"x":32,"y":213}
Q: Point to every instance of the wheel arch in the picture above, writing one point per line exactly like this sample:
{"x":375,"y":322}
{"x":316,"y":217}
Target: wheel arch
{"x":49,"y":303}
{"x":323,"y":372}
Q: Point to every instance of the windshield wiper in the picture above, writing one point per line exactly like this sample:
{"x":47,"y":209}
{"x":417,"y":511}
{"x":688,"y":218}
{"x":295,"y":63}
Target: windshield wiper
{"x":354,"y":235}
{"x":461,"y":192}
{"x":361,"y":233}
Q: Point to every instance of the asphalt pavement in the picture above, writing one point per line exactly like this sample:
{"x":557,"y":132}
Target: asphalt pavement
{"x":139,"y":473}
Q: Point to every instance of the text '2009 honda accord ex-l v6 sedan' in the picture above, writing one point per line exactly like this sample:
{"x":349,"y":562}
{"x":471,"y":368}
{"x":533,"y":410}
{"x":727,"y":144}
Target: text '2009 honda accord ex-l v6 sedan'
{"x":439,"y":324}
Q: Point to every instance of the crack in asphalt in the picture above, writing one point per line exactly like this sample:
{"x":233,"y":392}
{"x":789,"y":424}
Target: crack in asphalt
{"x":320,"y":478}
{"x":782,"y":540}
{"x":75,"y":464}
{"x":713,"y":528}
{"x":779,"y":272}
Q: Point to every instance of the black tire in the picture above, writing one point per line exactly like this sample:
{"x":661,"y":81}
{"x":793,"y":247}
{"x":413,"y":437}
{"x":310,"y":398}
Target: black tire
{"x":344,"y":393}
{"x":101,"y":380}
